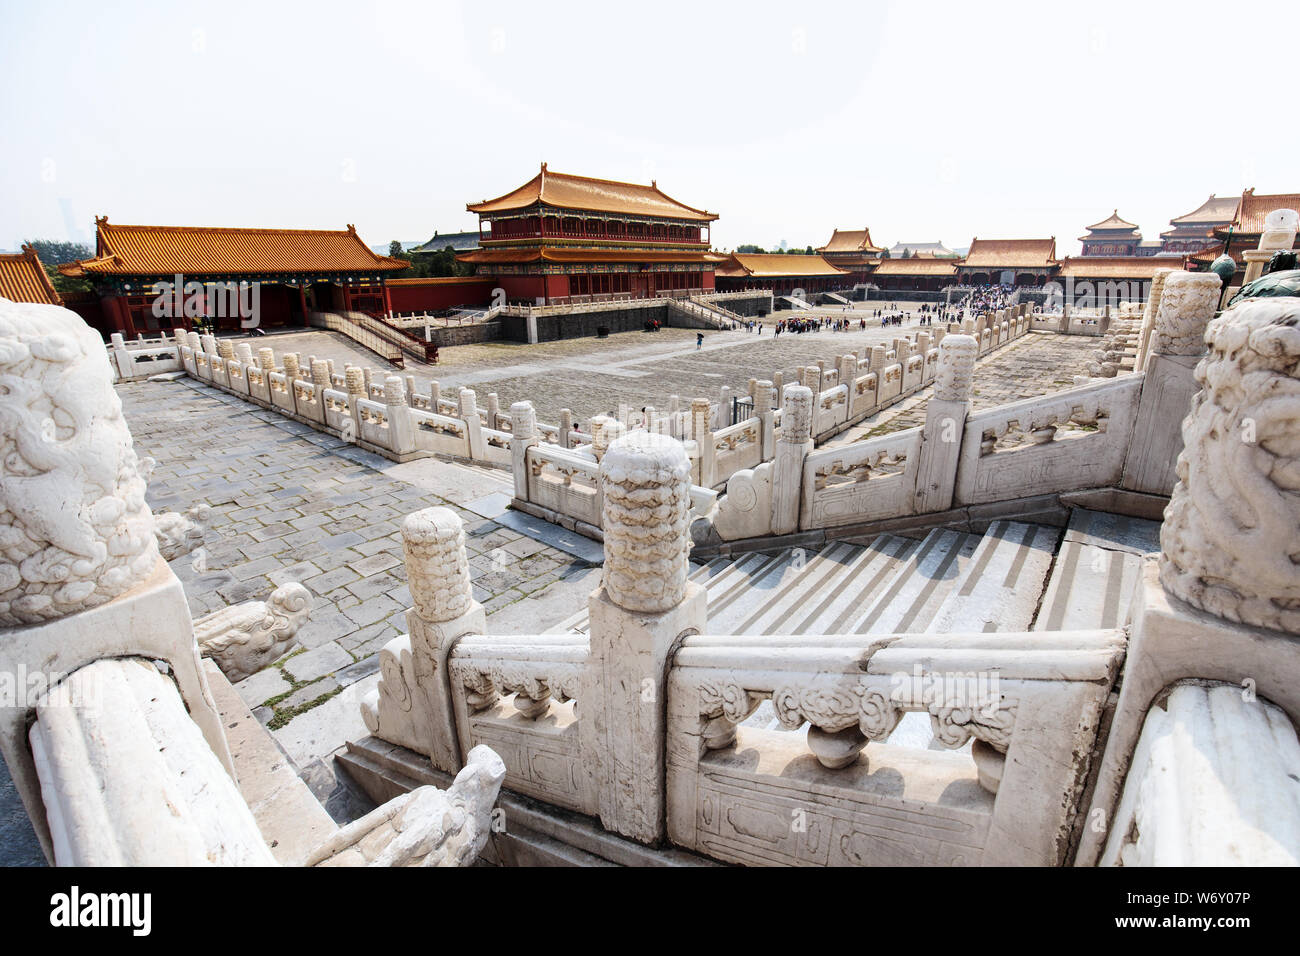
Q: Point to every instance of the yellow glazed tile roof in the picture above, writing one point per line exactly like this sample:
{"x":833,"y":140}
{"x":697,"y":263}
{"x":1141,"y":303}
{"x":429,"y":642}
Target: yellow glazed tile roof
{"x":564,"y":191}
{"x":23,"y":279}
{"x":1011,"y":253}
{"x":207,"y":250}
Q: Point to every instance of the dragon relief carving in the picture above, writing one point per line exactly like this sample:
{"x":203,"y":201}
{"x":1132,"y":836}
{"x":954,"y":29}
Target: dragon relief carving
{"x":1229,"y":538}
{"x":75,"y":531}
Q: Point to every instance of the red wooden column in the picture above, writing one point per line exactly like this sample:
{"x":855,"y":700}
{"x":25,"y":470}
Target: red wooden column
{"x":124,"y":323}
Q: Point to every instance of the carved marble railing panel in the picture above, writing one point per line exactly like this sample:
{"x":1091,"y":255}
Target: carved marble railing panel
{"x":496,"y":445}
{"x":1030,"y":702}
{"x":237,"y":373}
{"x":140,"y":362}
{"x":281,"y":392}
{"x":891,"y":384}
{"x":374,"y":422}
{"x":306,"y":402}
{"x":860,"y":482}
{"x":189,"y":361}
{"x":931,"y":364}
{"x":565,"y":482}
{"x":220,"y":376}
{"x":1065,"y":441}
{"x":440,"y":434}
{"x":518,"y":696}
{"x":864,"y":395}
{"x":202,"y":365}
{"x":913,"y":373}
{"x":737,"y":447}
{"x":831,"y":410}
{"x":337,"y":414}
{"x":259,"y":388}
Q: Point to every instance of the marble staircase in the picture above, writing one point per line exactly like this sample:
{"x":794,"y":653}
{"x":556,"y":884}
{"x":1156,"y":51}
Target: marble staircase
{"x":1016,"y":577}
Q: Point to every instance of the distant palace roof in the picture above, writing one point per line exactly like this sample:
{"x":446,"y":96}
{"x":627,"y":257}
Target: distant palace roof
{"x":775,"y":265}
{"x":23,"y":279}
{"x":208,"y":250}
{"x":1117,"y":267}
{"x":1216,"y":210}
{"x":850,"y":240}
{"x":932,"y":250}
{"x":1011,"y":253}
{"x":1112,"y":222}
{"x":916,"y":266}
{"x":1252,"y":209}
{"x":563,"y":191}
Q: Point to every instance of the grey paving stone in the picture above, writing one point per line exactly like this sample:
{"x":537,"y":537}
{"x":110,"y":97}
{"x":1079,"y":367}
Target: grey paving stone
{"x":375,"y":609}
{"x":262,"y":686}
{"x":317,"y":662}
{"x":355,"y":672}
{"x":326,"y":624}
{"x":309,"y":693}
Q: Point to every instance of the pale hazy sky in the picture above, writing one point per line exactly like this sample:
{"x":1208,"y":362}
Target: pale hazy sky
{"x":922,"y":120}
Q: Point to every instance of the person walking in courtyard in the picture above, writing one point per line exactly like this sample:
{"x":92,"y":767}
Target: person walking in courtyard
{"x":699,"y":340}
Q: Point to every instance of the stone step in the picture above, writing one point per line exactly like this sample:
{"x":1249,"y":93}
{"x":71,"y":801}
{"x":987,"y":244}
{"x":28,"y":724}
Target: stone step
{"x":1090,"y":587}
{"x":902,"y":602}
{"x":918,"y":589}
{"x":735,"y":583}
{"x":1115,"y":532}
{"x":1000,"y":587}
{"x":856,"y":585}
{"x":777,"y":589}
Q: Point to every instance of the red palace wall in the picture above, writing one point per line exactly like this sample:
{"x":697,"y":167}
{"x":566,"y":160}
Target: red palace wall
{"x":431,"y":295}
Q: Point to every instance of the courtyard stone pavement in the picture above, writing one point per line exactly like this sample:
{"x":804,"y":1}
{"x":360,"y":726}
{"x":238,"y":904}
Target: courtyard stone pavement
{"x":288,"y":503}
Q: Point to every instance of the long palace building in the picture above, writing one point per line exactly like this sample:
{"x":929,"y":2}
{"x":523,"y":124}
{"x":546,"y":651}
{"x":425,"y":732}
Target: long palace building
{"x":297,"y":271}
{"x":559,"y":236}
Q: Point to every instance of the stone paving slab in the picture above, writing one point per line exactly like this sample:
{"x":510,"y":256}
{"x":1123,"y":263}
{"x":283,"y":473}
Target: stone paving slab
{"x":570,"y":542}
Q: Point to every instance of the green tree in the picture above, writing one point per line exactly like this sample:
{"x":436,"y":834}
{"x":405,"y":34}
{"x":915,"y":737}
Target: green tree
{"x":53,"y":254}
